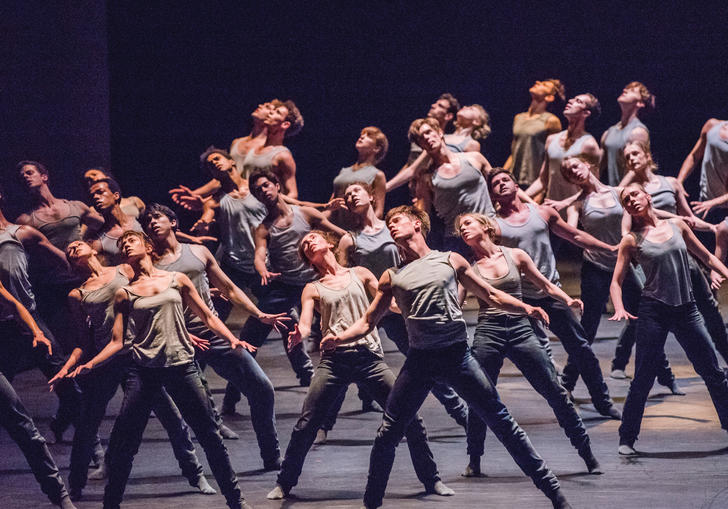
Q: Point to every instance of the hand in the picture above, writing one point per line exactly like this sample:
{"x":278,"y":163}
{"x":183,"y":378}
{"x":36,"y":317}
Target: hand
{"x":40,"y":339}
{"x":194,"y":239}
{"x":335,"y":204}
{"x":294,"y":338}
{"x":63,"y":373}
{"x":199,"y":343}
{"x":267,"y":276}
{"x":622,"y":315}
{"x":200,"y":227}
{"x":576,"y":305}
{"x":715,"y":280}
{"x":278,"y":321}
{"x":80,"y":370}
{"x":690,"y":221}
{"x":702,"y":208}
{"x":244,"y":345}
{"x":538,"y":314}
{"x":328,"y":343}
{"x":557,"y":205}
{"x":186,"y":198}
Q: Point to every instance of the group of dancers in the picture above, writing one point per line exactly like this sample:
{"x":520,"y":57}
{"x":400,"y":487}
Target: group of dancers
{"x":113,"y":292}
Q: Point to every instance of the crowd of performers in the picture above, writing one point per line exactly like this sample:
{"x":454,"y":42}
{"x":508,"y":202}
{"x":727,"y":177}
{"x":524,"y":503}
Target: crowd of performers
{"x":113,"y":293}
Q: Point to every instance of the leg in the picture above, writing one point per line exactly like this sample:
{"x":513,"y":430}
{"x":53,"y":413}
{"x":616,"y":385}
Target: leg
{"x":631,"y":292}
{"x":708,"y":307}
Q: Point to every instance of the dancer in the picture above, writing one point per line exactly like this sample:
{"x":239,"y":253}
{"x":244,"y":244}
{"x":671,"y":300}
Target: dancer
{"x":667,"y":305}
{"x":574,"y":140}
{"x":14,"y":418}
{"x":530,"y":130}
{"x":425,"y":289}
{"x":340,"y":295}
{"x":500,"y":334}
{"x":233,"y":362}
{"x":151,"y":309}
{"x":634,"y":98}
{"x":130,"y":205}
{"x":527,"y":226}
{"x":92,"y":316}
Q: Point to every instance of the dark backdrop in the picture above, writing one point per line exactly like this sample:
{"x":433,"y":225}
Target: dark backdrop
{"x":183,"y":77}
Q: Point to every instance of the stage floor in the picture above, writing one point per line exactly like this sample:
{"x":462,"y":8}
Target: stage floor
{"x":685,"y":460}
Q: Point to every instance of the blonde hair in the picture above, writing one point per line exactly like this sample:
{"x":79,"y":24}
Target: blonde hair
{"x":559,"y":89}
{"x":645,"y":147}
{"x":413,"y":213}
{"x":489,"y":226}
{"x":482,"y":128}
{"x":592,"y":161}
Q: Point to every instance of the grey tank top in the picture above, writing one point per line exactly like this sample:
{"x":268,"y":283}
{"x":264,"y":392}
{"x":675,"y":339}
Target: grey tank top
{"x":663,"y":198}
{"x":109,"y":250}
{"x":283,"y":251}
{"x":532,"y":237}
{"x":465,"y":192}
{"x":14,"y":270}
{"x":714,"y":168}
{"x":238,"y":155}
{"x":604,"y":224}
{"x":194,"y":268}
{"x":426,"y":290}
{"x":341,"y":308}
{"x":159,"y":338}
{"x":264,"y":161}
{"x":376,"y":252}
{"x":238,"y":218}
{"x":348,"y":176}
{"x":666,"y":269}
{"x":510,"y":283}
{"x":529,"y":145}
{"x":98,"y":305}
{"x":614,"y":143}
{"x":558,"y":187}
{"x":64,"y":231}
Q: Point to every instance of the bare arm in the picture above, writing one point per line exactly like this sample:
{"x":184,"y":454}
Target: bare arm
{"x":285,"y":167}
{"x":316,"y":218}
{"x":698,"y":249}
{"x":408,"y":171}
{"x":684,"y":210}
{"x":25,"y":318}
{"x":92,"y":219}
{"x":626,"y":250}
{"x":567,"y":232}
{"x":379,"y":187}
{"x":542,"y":182}
{"x":202,"y":226}
{"x":29,"y":236}
{"x":83,"y":336}
{"x":346,"y":244}
{"x":528,"y":268}
{"x":121,"y":303}
{"x":261,"y":252}
{"x":698,"y":151}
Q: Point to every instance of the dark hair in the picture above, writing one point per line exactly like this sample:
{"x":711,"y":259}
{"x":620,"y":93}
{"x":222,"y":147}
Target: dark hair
{"x":261,"y":174}
{"x":113,"y":186}
{"x":412,"y":213}
{"x":204,"y":163}
{"x":157,"y":208}
{"x":294,"y":116}
{"x":454,"y":103}
{"x":105,"y":172}
{"x":594,"y":108}
{"x":497,"y":171}
{"x":329,"y":237}
{"x":38,"y":166}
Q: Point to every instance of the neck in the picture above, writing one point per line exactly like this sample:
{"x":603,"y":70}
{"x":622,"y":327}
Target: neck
{"x":142,"y":267}
{"x":592,"y":184}
{"x":328,"y":264}
{"x":43,"y":196}
{"x":484,"y":248}
{"x":463,"y":131}
{"x":643,"y":176}
{"x":94,"y":267}
{"x":275,"y":138}
{"x":369,"y":218}
{"x":629,"y":112}
{"x":510,"y":205}
{"x":114,"y":216}
{"x":575,"y":128}
{"x":280,"y":208}
{"x":442,"y":155}
{"x":166,"y":245}
{"x":364,"y":159}
{"x":537,"y":106}
{"x":258,"y":129}
{"x":649,"y":218}
{"x":231,"y":182}
{"x":414,"y":248}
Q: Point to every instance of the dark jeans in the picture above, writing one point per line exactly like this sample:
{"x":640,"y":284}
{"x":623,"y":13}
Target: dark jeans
{"x":567,"y":328}
{"x":456,"y":366}
{"x":19,"y":355}
{"x":336,"y":371}
{"x":16,"y":421}
{"x":241,"y":370}
{"x":595,"y":293}
{"x":512,"y":336}
{"x":655,"y":320}
{"x":99,"y":386}
{"x":185,"y":388}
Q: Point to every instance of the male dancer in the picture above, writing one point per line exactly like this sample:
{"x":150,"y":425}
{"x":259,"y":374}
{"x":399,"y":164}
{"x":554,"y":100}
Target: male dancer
{"x":233,"y":362}
{"x":426,"y":290}
{"x":527,"y":227}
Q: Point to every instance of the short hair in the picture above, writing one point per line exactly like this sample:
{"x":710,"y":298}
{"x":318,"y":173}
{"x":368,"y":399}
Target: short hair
{"x":594,"y":108}
{"x":412,"y":213}
{"x":645,"y":95}
{"x":294,"y":116}
{"x":413,"y":134}
{"x":489,"y":225}
{"x":330,"y":237}
{"x":498,"y":171}
{"x":645,"y":147}
{"x":631,"y":185}
{"x":380,"y":140}
{"x":481,"y":131}
{"x":128,"y":233}
{"x":559,"y":89}
{"x":367,"y":187}
{"x":157,"y":208}
{"x":592,"y":161}
{"x":111,"y":183}
{"x":454,"y":103}
{"x":262,"y":174}
{"x":204,"y":163}
{"x":38,"y":166}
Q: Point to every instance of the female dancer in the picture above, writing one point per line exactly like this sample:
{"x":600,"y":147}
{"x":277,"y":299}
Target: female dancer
{"x":342,"y":296}
{"x":501,"y":334}
{"x":634,"y":98}
{"x":667,"y":305}
{"x":150,"y":308}
{"x":92,"y":315}
{"x":530,"y":130}
{"x":131,"y":205}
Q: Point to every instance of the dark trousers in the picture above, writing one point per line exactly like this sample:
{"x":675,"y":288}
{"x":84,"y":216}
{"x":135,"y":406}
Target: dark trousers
{"x":655,"y":320}
{"x":19,"y":355}
{"x":143,"y":387}
{"x":567,"y":328}
{"x":241,"y":370}
{"x":16,"y":421}
{"x":99,"y":386}
{"x":456,"y":366}
{"x":512,"y":336}
{"x":336,"y":371}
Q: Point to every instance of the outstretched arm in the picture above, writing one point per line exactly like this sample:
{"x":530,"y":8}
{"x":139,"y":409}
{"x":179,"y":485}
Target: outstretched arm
{"x":25,"y":318}
{"x":626,"y":249}
{"x":567,"y":232}
{"x":528,"y":268}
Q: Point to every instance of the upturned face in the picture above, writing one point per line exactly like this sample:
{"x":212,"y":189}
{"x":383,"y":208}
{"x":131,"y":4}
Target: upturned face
{"x":471,"y":230}
{"x":277,"y":117}
{"x":102,"y":197}
{"x":366,"y":143}
{"x":439,"y":110}
{"x":92,"y":175}
{"x":133,"y":247}
{"x":402,"y":227}
{"x":630,"y":95}
{"x":503,"y":186}
{"x":577,"y":105}
{"x":78,"y":251}
{"x":160,"y":226}
{"x":314,"y":245}
{"x":219,"y":165}
{"x":430,"y":139}
{"x":357,"y":198}
{"x":542,"y":89}
{"x":262,"y":111}
{"x":576,"y":170}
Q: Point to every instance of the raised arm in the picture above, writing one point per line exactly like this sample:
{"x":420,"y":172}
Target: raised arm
{"x":209,"y":208}
{"x":567,"y":232}
{"x":317,"y":219}
{"x":408,"y":171}
{"x":285,"y":167}
{"x":684,"y":210}
{"x":698,"y":151}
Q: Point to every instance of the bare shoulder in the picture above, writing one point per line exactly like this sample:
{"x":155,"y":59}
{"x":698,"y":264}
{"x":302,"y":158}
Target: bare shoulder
{"x":710,"y":124}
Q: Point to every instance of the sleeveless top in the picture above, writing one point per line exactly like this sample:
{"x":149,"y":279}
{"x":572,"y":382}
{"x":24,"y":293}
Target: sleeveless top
{"x":348,"y":176}
{"x":465,"y":192}
{"x":714,"y":168}
{"x":529,"y":145}
{"x":238,"y":156}
{"x":130,"y":209}
{"x":558,"y":187}
{"x":194,"y":268}
{"x":426,"y":290}
{"x":376,"y":252}
{"x":532,"y":237}
{"x":416,"y":150}
{"x":614,"y":142}
{"x":254,"y":162}
{"x":341,"y":308}
{"x":237,"y":219}
{"x":283,"y":251}
{"x":109,"y":250}
{"x":159,"y":338}
{"x":604,"y":224}
{"x":64,"y":231}
{"x":663,"y":198}
{"x":458,"y":146}
{"x":509,"y":283}
{"x":666,"y":269}
{"x":98,"y":305}
{"x":14,"y":271}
